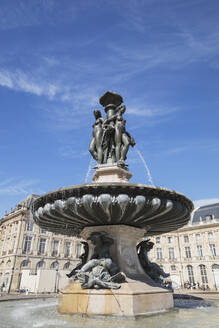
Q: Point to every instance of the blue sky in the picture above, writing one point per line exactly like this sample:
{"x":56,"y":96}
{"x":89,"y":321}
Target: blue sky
{"x":58,"y":57}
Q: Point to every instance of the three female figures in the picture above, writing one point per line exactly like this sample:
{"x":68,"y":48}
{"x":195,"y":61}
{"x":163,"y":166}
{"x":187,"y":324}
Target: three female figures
{"x":111,"y":141}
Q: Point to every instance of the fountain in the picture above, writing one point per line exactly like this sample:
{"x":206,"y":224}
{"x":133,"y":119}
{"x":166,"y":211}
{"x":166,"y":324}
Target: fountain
{"x":112,"y":215}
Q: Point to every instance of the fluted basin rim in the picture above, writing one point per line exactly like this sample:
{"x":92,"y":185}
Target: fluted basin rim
{"x":70,"y":209}
{"x":153,"y":190}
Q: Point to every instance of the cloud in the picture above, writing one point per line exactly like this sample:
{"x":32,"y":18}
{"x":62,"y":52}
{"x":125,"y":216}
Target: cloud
{"x":21,"y":81}
{"x":207,"y":201}
{"x":177,"y":150}
{"x":149,"y":112}
{"x":13,"y":186}
{"x":25,"y":13}
{"x":201,"y":145}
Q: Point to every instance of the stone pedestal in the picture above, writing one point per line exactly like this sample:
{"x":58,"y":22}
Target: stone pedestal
{"x":138,"y":296}
{"x":106,"y":173}
{"x":133,"y":299}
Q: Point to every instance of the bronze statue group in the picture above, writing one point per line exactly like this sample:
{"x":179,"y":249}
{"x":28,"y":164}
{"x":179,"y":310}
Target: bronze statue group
{"x":111,"y":141}
{"x":100,"y":271}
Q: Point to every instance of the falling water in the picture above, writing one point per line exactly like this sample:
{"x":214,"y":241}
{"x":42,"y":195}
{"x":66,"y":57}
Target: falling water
{"x":90,"y":166}
{"x":146,"y":167}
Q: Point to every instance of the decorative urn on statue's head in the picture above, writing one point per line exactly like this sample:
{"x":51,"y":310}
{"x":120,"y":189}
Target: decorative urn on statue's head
{"x":113,"y":216}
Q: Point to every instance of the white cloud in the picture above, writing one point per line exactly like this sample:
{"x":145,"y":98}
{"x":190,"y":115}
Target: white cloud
{"x":149,"y":112}
{"x":207,"y":201}
{"x":179,"y":50}
{"x":13,"y":186}
{"x":5,"y":79}
{"x":22,"y":81}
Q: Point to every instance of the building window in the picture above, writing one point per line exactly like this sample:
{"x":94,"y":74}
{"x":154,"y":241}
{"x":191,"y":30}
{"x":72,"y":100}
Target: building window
{"x":188,"y":252}
{"x":198,"y":238}
{"x":203,"y":274}
{"x":212,"y":249}
{"x":13,"y":244}
{"x":210,"y":236}
{"x":40,"y":264}
{"x":199,"y":250}
{"x":209,"y":217}
{"x":43,"y":230}
{"x":186,"y":239}
{"x":173,"y":267}
{"x":54,"y":265}
{"x":29,"y":226}
{"x":78,"y":250}
{"x":170,"y":239}
{"x":66,"y":266}
{"x":25,"y":263}
{"x":171,"y":253}
{"x":42,"y":246}
{"x":157,"y":240}
{"x":67,"y":248}
{"x":190,"y":274}
{"x":7,"y":279}
{"x":27,"y":244}
{"x":159,"y":254}
{"x":55,"y":248}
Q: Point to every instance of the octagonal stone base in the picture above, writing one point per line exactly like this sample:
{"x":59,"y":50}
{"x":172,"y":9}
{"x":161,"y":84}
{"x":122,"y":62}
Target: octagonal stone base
{"x":110,"y":173}
{"x":133,"y":299}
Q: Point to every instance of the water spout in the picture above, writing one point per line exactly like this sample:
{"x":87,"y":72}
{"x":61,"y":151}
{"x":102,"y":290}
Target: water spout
{"x":90,"y":166}
{"x":146,"y":167}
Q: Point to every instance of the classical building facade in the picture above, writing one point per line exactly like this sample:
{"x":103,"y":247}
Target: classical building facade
{"x":191,"y":254}
{"x":25,"y":246}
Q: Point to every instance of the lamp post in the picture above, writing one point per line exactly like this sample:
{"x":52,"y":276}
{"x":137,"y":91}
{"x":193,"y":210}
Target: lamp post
{"x":56,"y":281}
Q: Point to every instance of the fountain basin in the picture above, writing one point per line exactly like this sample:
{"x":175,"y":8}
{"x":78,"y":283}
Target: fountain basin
{"x":70,"y":209}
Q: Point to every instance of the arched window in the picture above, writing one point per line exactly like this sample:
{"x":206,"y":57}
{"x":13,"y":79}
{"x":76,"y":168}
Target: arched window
{"x":29,"y":226}
{"x":78,"y":250}
{"x":25,"y":263}
{"x":40,"y":264}
{"x":190,"y":274}
{"x":215,"y":267}
{"x":66,"y":266}
{"x":203,"y":273}
{"x":215,"y":270}
{"x":6,"y":279}
{"x":54,"y":265}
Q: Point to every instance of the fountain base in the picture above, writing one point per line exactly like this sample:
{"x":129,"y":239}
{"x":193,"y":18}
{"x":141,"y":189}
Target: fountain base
{"x":133,"y":299}
{"x":138,"y":296}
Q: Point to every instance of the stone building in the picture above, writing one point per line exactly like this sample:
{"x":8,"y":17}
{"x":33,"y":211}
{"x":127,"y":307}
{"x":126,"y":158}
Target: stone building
{"x":191,"y":254}
{"x":25,"y":246}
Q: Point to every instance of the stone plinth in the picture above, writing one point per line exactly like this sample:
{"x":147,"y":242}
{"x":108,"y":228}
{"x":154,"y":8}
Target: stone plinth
{"x":133,"y":299}
{"x":105,"y":173}
{"x":139,"y":295}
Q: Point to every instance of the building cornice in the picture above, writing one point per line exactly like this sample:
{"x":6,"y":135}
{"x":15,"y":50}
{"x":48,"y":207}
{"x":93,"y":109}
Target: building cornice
{"x":13,"y":215}
{"x":198,"y":227}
